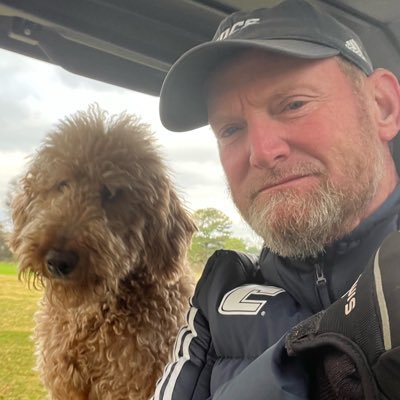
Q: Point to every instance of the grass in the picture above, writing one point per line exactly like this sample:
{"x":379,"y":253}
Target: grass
{"x":8,"y":268}
{"x":18,"y":381}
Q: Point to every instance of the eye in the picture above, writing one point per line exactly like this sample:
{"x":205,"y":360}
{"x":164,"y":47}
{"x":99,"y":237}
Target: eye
{"x":108,"y":194}
{"x":295,"y":105}
{"x":228,"y":131}
{"x":62,"y":185}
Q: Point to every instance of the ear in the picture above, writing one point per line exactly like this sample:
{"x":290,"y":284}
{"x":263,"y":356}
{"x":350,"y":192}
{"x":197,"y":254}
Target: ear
{"x":386,"y":96}
{"x":169,"y":231}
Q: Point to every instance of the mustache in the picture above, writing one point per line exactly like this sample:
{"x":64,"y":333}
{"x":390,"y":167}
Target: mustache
{"x":281,"y":174}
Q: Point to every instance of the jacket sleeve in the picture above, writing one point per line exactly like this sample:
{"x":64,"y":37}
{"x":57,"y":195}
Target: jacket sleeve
{"x":187,"y":376}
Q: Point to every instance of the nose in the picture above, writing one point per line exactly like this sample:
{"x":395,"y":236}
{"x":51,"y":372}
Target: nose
{"x":268,"y":143}
{"x":61,"y":263}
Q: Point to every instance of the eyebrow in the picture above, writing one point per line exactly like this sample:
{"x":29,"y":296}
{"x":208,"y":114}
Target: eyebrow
{"x":221,"y":119}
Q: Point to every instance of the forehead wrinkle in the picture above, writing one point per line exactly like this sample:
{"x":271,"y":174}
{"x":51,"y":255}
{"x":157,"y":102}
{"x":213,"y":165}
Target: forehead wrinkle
{"x":238,"y":102}
{"x":224,"y":107}
{"x":232,"y":100}
{"x":226,"y":97}
{"x":261,"y":93}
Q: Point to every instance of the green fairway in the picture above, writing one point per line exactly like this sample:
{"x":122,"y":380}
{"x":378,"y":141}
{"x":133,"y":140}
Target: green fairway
{"x":18,"y":381}
{"x":7,"y":268}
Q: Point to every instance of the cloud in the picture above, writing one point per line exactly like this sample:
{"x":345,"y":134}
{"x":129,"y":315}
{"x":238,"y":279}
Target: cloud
{"x":76,"y":82}
{"x":22,"y":128}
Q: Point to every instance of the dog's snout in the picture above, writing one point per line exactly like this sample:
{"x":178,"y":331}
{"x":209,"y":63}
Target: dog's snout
{"x":61,"y":263}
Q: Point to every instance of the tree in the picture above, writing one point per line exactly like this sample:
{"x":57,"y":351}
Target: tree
{"x":214,"y":232}
{"x":214,"y":227}
{"x":234,"y":243}
{"x":213,"y":224}
{"x":5,"y":253}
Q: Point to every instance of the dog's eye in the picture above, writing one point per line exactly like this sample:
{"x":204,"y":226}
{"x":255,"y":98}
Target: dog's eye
{"x":107,"y":194}
{"x":62,"y":185}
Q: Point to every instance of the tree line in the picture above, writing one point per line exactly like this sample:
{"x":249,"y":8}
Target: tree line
{"x":5,"y":253}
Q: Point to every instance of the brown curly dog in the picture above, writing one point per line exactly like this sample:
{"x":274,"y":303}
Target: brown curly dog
{"x":98,"y":224}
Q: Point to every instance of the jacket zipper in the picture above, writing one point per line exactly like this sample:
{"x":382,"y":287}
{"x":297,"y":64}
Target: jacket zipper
{"x":322,"y":287}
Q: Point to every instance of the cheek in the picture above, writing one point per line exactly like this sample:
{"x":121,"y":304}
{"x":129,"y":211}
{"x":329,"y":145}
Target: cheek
{"x":340,"y":155}
{"x":235,"y":163}
{"x":327,"y":137}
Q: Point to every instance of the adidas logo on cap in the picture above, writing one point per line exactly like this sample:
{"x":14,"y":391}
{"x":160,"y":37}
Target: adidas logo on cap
{"x":353,"y":46}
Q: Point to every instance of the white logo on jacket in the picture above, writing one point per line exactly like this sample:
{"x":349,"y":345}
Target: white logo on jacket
{"x":247,"y":299}
{"x":351,"y":298}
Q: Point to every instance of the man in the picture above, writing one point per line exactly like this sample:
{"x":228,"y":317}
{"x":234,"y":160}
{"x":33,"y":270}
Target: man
{"x":304,"y":127}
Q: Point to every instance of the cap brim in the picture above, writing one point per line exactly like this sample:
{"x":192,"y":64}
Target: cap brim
{"x":182,"y":99}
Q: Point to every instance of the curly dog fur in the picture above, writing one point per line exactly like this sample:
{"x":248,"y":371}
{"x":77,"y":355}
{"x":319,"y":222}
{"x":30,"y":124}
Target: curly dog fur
{"x":99,"y":226}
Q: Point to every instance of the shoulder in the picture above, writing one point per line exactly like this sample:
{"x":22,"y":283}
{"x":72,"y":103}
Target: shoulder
{"x":239,"y":265}
{"x":224,"y":270}
{"x":238,"y":304}
{"x":227,"y":275}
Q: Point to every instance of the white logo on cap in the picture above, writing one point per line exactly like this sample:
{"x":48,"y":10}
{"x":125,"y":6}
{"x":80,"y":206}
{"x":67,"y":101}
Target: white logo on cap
{"x":237,"y":26}
{"x":353,"y":46}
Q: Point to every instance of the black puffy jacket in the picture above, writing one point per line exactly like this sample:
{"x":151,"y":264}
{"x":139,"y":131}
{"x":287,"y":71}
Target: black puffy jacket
{"x":233,"y":345}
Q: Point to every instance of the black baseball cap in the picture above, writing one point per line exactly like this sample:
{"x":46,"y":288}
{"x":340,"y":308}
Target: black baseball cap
{"x":291,"y":27}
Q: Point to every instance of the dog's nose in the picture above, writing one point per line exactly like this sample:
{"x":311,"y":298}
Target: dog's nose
{"x":61,"y":263}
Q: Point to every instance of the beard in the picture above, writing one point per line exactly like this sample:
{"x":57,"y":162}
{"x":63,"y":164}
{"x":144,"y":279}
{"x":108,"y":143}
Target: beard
{"x":300,"y":224}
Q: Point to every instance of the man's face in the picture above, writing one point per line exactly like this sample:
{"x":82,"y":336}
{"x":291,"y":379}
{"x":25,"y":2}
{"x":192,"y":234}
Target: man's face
{"x":299,"y":148}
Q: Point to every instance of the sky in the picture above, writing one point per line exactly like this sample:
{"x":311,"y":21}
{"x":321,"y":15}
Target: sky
{"x":35,"y":95}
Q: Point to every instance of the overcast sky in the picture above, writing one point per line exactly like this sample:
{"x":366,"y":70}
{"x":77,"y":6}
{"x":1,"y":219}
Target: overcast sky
{"x":35,"y":95}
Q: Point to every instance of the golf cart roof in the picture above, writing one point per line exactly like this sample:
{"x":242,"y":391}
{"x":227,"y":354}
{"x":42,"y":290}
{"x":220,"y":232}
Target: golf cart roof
{"x":132,"y":43}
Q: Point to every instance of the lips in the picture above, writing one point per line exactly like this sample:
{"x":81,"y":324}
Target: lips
{"x":282,"y":182}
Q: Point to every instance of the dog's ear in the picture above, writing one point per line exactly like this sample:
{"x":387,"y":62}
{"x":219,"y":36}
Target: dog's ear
{"x":170,"y":239}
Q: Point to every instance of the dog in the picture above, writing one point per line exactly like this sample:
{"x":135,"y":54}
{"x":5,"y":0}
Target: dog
{"x":99,"y":226}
